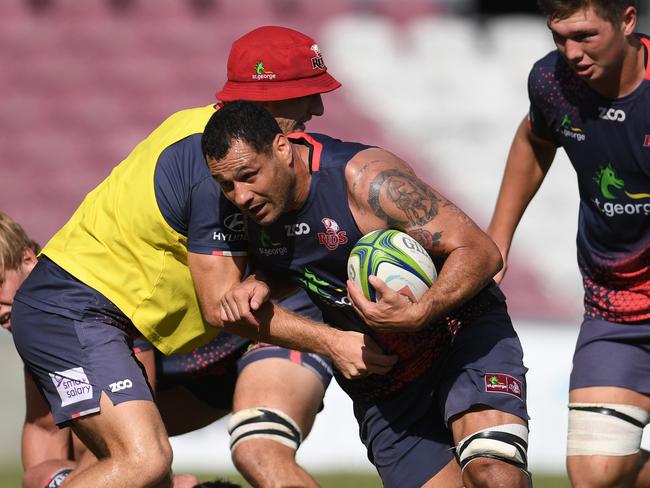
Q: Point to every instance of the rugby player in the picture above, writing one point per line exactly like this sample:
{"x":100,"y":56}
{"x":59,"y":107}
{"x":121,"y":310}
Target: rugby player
{"x":590,"y":96}
{"x":460,"y":380}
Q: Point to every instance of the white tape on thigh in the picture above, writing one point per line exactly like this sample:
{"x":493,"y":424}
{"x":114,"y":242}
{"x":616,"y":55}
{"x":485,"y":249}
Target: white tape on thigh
{"x":605,"y":429}
{"x":507,"y":442}
{"x":263,"y":423}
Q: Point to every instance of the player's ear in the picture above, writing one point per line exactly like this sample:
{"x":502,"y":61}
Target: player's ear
{"x":29,"y":257}
{"x":628,"y":21}
{"x":282,"y":147}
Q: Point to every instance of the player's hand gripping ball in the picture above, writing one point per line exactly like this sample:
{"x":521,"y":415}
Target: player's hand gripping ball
{"x":395,"y":258}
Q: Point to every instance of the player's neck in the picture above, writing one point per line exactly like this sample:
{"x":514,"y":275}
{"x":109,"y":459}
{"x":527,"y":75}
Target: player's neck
{"x":303,"y":177}
{"x":628,"y":76}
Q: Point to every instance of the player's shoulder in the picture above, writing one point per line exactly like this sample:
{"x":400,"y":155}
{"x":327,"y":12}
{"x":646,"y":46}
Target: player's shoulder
{"x":548,"y":65}
{"x":551,"y":78}
{"x":174,"y":128}
{"x":188,"y":115}
{"x":337,"y":149}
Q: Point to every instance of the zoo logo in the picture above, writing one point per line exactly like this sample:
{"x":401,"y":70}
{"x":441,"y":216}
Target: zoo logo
{"x":613,"y":114}
{"x":297,"y":229}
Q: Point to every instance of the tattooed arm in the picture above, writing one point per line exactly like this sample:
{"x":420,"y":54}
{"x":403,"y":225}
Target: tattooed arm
{"x":383,"y":191}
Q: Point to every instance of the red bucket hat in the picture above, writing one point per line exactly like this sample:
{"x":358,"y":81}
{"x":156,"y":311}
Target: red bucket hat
{"x":275,"y":63}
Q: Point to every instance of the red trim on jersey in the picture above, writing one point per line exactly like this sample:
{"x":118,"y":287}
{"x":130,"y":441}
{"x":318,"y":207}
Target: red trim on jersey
{"x":646,"y":43}
{"x":295,"y":357}
{"x":229,"y":253}
{"x":316,"y":148}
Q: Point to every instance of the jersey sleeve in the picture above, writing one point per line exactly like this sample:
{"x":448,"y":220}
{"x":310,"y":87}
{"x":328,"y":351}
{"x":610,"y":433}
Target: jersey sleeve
{"x":536,"y":117}
{"x":216,"y":226}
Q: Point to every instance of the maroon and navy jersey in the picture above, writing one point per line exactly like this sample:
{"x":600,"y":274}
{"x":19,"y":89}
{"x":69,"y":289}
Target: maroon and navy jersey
{"x":311,"y":247}
{"x":608,"y":143}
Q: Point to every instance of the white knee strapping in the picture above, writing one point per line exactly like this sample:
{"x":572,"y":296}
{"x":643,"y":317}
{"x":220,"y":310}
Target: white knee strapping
{"x":263,"y":423}
{"x":605,"y":429}
{"x":507,"y":442}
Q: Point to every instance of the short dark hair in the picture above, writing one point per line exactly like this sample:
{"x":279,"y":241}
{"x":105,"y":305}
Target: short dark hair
{"x":610,"y":10}
{"x":240,"y":120}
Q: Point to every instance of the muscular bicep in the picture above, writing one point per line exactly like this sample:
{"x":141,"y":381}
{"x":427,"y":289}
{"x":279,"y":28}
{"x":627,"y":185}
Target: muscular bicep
{"x":389,"y":194}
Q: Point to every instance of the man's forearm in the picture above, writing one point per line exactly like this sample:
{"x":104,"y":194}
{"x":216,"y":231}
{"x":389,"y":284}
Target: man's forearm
{"x":466,"y":272}
{"x":286,"y":329}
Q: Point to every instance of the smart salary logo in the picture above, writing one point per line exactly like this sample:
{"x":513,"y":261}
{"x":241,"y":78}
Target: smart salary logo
{"x":609,"y":185}
{"x":72,"y":385}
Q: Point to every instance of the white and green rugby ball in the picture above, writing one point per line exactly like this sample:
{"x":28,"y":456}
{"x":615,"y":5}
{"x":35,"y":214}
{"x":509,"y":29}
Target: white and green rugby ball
{"x":395,"y":258}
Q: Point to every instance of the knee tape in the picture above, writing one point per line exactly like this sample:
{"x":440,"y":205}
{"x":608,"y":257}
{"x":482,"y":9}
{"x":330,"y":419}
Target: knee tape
{"x":263,"y":423}
{"x":605,"y":429}
{"x":507,"y":442}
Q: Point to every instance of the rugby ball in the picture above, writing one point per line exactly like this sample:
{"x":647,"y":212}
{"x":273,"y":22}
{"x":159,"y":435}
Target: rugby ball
{"x":394,"y":257}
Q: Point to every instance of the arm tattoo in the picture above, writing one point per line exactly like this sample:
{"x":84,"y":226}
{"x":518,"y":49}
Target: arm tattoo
{"x":405,"y":192}
{"x":426,"y":239}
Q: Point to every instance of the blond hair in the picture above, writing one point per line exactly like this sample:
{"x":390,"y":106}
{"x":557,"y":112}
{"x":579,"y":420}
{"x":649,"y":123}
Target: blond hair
{"x":13,"y":242}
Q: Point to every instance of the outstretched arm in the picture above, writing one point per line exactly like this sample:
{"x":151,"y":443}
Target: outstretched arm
{"x":384,"y":192}
{"x":247,"y":311}
{"x":528,"y":162}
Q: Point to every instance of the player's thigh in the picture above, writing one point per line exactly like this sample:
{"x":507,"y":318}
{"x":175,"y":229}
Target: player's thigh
{"x":125,"y":430}
{"x":182,"y":411}
{"x":447,"y":477}
{"x":280,"y":382}
{"x":480,"y":418}
{"x":610,"y":394}
{"x":407,"y":438}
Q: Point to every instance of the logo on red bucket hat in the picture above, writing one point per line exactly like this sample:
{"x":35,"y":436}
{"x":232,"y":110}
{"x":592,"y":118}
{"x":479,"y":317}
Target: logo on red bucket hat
{"x":275,"y":63}
{"x":261,"y":73}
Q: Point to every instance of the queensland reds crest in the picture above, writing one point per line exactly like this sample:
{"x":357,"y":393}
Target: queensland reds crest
{"x":332,"y":237}
{"x":317,"y":61}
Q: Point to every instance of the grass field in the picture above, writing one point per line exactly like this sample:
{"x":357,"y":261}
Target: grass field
{"x":11,"y":477}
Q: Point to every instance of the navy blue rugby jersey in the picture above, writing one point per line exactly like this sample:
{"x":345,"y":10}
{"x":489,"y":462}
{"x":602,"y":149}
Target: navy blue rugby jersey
{"x":311,"y":247}
{"x":608,"y":143}
{"x":192,"y":203}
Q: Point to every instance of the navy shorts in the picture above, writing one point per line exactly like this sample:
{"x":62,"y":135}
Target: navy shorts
{"x":74,"y":360}
{"x":612,"y":354}
{"x":317,"y":364}
{"x":407,"y":434}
